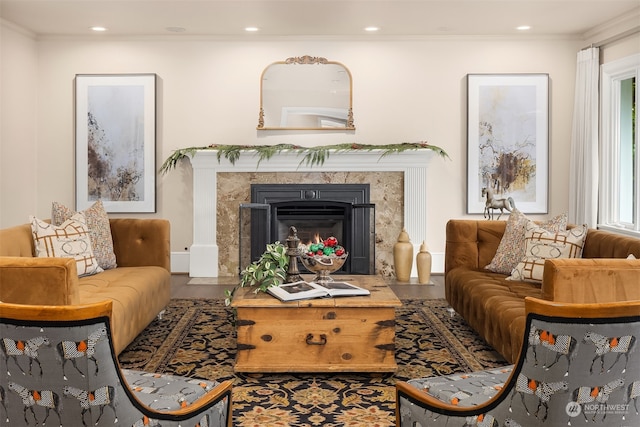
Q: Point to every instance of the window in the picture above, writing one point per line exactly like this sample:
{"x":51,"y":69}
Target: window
{"x":619,"y":163}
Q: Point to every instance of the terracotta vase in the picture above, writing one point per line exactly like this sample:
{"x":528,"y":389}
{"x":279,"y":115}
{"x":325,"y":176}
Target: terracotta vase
{"x":403,"y":256}
{"x":423,"y":264}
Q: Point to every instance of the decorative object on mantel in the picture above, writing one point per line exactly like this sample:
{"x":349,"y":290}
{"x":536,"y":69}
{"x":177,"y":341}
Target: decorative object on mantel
{"x":403,"y":256}
{"x":269,"y":270}
{"x":312,"y":156}
{"x":423,"y":263}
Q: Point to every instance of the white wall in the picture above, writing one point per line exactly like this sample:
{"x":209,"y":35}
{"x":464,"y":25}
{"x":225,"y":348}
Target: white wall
{"x":404,"y":90}
{"x":18,"y":125}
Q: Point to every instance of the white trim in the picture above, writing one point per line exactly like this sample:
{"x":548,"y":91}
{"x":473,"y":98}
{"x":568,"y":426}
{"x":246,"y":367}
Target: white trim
{"x":612,"y":74}
{"x":180,"y":262}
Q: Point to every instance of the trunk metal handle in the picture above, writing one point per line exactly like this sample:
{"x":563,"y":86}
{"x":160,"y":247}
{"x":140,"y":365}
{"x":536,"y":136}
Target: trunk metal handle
{"x":309,"y":340}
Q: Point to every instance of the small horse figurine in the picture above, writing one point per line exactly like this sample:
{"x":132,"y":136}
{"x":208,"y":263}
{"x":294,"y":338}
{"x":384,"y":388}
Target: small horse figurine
{"x":491,"y":204}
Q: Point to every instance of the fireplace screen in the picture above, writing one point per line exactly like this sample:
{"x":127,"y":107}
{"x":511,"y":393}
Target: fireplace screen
{"x":317,"y":211}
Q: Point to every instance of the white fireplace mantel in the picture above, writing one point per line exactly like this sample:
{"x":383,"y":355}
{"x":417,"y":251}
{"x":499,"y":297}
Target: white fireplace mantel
{"x":204,"y":250}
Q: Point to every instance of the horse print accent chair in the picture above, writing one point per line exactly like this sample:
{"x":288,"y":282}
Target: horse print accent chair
{"x":579,"y":364}
{"x":58,"y":368}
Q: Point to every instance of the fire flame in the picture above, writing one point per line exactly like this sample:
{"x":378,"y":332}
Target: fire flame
{"x":316,"y":239}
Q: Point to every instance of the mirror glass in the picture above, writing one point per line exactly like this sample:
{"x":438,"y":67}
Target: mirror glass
{"x":306,"y":93}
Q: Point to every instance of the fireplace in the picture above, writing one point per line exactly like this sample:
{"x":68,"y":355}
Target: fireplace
{"x":203,"y":256}
{"x":339,"y":210}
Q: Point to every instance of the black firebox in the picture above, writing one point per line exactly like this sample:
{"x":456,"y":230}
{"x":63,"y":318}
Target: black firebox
{"x":316,"y":211}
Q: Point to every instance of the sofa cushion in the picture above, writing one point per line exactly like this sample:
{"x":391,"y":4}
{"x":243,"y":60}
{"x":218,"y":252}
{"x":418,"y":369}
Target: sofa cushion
{"x":512,"y":245}
{"x":138,"y":295}
{"x":463,"y":389}
{"x":69,"y":240}
{"x":99,"y":230}
{"x":542,"y":245}
{"x":169,"y":392}
{"x":492,"y":306}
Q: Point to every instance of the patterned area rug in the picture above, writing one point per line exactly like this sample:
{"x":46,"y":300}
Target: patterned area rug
{"x":196,"y":338}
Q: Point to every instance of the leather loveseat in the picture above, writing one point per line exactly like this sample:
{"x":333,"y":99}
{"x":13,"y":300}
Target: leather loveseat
{"x":139,"y":286}
{"x":495,"y":307}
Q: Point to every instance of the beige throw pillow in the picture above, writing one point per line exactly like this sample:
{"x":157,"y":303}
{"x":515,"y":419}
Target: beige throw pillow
{"x":99,"y":230}
{"x":542,"y":245}
{"x":69,"y":240}
{"x":512,"y":246}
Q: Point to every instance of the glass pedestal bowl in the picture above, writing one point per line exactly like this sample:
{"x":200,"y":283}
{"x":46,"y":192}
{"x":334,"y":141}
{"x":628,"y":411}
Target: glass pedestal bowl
{"x":323,"y":265}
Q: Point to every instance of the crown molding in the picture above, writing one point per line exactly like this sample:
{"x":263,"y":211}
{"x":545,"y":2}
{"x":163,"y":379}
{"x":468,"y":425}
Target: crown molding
{"x":297,"y":38}
{"x":616,"y":29}
{"x":18,"y":29}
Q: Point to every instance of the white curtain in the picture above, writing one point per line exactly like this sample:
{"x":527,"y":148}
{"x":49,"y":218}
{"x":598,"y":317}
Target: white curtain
{"x":583,"y":169}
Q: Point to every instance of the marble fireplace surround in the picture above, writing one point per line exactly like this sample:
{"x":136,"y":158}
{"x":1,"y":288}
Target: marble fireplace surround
{"x":204,"y":252}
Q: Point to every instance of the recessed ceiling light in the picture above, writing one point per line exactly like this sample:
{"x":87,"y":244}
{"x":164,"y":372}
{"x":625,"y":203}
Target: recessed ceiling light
{"x":372,"y":29}
{"x":251,"y":29}
{"x":98,"y":29}
{"x":523,"y":27}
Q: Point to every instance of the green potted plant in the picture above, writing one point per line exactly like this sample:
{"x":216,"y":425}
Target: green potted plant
{"x":269,"y":270}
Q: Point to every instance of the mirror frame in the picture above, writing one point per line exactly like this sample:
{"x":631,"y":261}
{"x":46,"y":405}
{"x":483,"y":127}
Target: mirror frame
{"x":307,"y":60}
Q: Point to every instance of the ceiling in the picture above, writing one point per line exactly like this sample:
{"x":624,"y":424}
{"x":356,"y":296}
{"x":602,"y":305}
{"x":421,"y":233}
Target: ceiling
{"x":338,"y":18}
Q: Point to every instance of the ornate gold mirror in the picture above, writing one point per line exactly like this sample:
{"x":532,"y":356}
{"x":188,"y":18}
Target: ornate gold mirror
{"x":306,"y":93}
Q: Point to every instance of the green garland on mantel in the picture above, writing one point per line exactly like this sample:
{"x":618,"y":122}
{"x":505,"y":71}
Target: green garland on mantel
{"x":311,"y":155}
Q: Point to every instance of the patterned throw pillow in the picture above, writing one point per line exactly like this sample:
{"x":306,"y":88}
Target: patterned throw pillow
{"x":542,"y":245}
{"x":69,"y":240}
{"x":511,"y":248}
{"x":99,"y":230}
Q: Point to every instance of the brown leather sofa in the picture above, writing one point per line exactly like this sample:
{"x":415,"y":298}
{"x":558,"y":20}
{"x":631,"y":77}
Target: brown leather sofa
{"x":139,"y":286}
{"x":495,"y":307}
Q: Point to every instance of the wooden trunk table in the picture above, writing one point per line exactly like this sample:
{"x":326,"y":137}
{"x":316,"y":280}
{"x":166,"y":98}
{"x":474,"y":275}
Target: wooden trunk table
{"x":343,"y":334}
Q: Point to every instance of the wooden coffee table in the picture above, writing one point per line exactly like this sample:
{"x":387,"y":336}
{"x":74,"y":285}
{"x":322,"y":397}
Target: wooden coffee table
{"x":346,"y":334}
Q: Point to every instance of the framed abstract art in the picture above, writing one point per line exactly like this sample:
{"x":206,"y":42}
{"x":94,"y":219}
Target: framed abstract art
{"x":508,"y":141}
{"x":115,"y":122}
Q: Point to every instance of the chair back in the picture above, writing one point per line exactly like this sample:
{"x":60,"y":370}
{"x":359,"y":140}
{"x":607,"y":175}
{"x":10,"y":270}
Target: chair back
{"x":58,"y":366}
{"x":579,"y":363}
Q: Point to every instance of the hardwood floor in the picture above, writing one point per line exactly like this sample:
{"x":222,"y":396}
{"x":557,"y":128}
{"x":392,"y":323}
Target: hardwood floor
{"x":181,"y":288}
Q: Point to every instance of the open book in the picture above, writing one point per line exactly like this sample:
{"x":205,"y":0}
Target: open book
{"x":306,"y":290}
